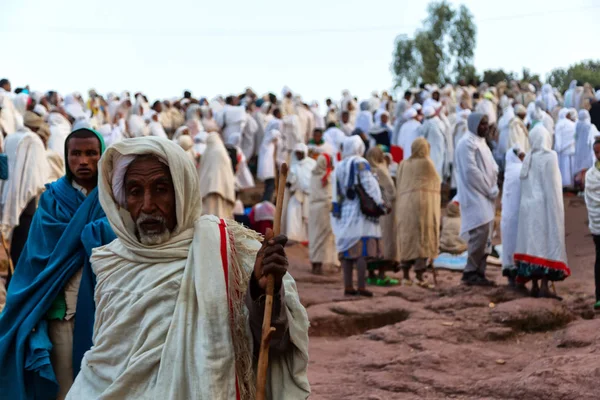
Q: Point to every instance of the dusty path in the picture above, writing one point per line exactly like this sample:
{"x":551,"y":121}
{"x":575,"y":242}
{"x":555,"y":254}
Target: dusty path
{"x":453,"y":341}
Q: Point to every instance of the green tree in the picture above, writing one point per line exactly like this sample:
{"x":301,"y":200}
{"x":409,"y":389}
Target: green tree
{"x":441,"y":51}
{"x":527,"y":76}
{"x":492,"y":77}
{"x":585,"y":71}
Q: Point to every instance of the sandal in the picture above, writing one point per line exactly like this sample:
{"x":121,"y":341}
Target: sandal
{"x":350,"y":292}
{"x":386,"y":282}
{"x":406,"y":282}
{"x":364,"y":293}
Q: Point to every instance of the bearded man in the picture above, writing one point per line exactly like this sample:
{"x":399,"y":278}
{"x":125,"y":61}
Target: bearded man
{"x":180,"y":296}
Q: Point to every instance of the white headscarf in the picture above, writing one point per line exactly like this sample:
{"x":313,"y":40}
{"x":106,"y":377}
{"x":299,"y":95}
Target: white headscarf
{"x":216,"y":172}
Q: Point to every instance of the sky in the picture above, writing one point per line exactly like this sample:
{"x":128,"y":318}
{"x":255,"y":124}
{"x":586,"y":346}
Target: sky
{"x":316,"y":47}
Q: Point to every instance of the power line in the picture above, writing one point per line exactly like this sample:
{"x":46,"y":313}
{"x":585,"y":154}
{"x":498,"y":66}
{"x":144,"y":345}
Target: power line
{"x":276,"y":32}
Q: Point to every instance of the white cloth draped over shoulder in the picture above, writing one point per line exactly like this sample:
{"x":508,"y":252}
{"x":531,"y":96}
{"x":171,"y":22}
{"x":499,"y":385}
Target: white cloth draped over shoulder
{"x":592,"y":198}
{"x":10,"y":119}
{"x":477,"y":178}
{"x":511,"y":198}
{"x":298,"y":207}
{"x":541,"y":232}
{"x":216,"y":172}
{"x":164,"y":328}
{"x":585,"y":134}
{"x":270,"y":153}
{"x":28,"y":172}
{"x":60,"y":128}
{"x":432,"y":131}
{"x":243,"y":176}
{"x":234,"y":120}
{"x":408,"y":132}
{"x":564,"y":144}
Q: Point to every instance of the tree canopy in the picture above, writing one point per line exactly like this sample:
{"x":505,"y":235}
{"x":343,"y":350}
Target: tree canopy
{"x":441,"y":51}
{"x":585,"y":71}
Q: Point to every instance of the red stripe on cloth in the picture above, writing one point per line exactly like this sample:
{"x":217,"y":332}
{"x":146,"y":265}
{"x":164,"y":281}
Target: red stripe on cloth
{"x":225,"y":263}
{"x":543,"y":262}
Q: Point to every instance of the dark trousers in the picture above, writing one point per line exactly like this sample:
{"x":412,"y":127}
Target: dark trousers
{"x":597,"y":266}
{"x":269,"y":189}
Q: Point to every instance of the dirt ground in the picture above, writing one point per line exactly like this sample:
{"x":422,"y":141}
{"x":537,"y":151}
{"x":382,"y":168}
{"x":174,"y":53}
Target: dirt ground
{"x":453,"y":341}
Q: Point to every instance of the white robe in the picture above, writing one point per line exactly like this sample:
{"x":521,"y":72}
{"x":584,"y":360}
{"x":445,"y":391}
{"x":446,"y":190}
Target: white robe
{"x":511,"y":197}
{"x":565,"y":148}
{"x":10,"y":119}
{"x":477,"y":182}
{"x":60,"y":128}
{"x":28,"y":171}
{"x":432,"y":132}
{"x":488,"y":108}
{"x":298,"y":207}
{"x":233,"y":120}
{"x":503,"y":130}
{"x":407,"y":135}
{"x":541,"y":232}
{"x":518,"y":135}
{"x":270,"y":152}
{"x":592,"y":199}
{"x":248,"y":142}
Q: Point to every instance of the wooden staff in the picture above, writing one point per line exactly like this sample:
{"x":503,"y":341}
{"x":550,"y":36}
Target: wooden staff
{"x":10,"y":263}
{"x":267,"y":329}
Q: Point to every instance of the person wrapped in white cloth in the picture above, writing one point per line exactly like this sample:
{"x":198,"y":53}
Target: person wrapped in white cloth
{"x":179,"y":296}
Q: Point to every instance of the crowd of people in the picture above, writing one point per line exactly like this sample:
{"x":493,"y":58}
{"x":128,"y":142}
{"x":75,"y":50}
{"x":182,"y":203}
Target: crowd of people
{"x":120,"y":211}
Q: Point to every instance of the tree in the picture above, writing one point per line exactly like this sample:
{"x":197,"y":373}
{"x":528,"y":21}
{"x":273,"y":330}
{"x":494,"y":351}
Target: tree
{"x":529,"y":77}
{"x":492,"y":77}
{"x":585,"y":71}
{"x":441,"y":51}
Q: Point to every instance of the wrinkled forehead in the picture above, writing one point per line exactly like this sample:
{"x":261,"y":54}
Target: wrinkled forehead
{"x":122,"y":164}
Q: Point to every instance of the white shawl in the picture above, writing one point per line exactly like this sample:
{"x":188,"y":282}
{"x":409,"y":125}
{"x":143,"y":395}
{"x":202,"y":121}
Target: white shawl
{"x":431,"y":130}
{"x":511,"y":197}
{"x":541,"y":232}
{"x":564,"y":134}
{"x":216,"y":172}
{"x":477,"y":178}
{"x":407,"y":135}
{"x":28,"y":170}
{"x":592,"y":199}
{"x":164,"y":328}
{"x":60,"y":128}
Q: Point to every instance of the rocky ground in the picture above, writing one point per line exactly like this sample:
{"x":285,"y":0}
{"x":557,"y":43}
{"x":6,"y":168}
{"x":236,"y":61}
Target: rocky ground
{"x":453,"y":341}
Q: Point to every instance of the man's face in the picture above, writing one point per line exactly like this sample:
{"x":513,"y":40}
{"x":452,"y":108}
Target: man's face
{"x":150,"y":198}
{"x":597,"y":151}
{"x":328,"y":102}
{"x":158,"y":107}
{"x":483,"y":128}
{"x":384,"y":118}
{"x":522,"y":116}
{"x":300,"y":155}
{"x":345,"y":118}
{"x":7,"y":87}
{"x":83,"y":156}
{"x":436,"y":96}
{"x":350,"y":106}
{"x":318,"y":136}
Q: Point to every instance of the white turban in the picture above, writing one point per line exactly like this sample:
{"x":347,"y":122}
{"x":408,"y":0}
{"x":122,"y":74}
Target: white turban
{"x":520,"y":109}
{"x":410,"y":114}
{"x":429,"y":111}
{"x":301,"y":147}
{"x":417,"y":107}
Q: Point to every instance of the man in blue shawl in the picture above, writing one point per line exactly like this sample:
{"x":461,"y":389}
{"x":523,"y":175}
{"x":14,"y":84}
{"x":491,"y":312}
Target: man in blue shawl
{"x":41,"y":341}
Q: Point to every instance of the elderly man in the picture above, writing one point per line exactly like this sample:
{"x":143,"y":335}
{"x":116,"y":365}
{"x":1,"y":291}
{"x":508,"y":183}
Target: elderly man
{"x":477,"y":192}
{"x":49,"y":316}
{"x":172,"y":320}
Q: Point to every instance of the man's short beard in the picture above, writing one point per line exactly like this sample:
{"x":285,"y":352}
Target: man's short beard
{"x":154,"y":238}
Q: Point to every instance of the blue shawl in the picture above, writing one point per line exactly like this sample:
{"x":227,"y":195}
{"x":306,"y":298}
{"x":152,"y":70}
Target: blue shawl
{"x":64,"y":230}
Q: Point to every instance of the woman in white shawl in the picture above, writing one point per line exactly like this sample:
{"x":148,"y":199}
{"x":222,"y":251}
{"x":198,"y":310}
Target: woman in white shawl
{"x":217,"y":182}
{"x":585,"y":134}
{"x":517,"y":131}
{"x":460,"y":129}
{"x":540,"y":253}
{"x":565,"y":146}
{"x":508,"y":114}
{"x":321,"y":241}
{"x":192,"y":119}
{"x":547,"y":96}
{"x":60,"y":128}
{"x":592,"y":201}
{"x":569,"y":94}
{"x":298,"y":183}
{"x":364,"y":121}
{"x":409,"y":131}
{"x":509,"y":223}
{"x":243,"y":176}
{"x":357,"y":236}
{"x":432,"y":131}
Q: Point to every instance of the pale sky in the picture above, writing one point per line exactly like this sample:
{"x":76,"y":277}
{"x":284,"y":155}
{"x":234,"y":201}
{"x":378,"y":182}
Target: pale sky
{"x":316,"y":47}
